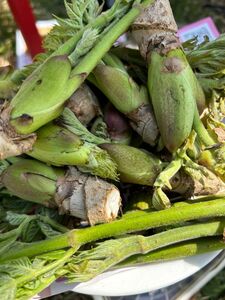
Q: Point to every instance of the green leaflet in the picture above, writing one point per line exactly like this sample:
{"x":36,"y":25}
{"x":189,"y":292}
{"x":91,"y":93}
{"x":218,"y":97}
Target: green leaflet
{"x":208,"y":58}
{"x":5,"y":245}
{"x":31,"y":232}
{"x":29,"y":228}
{"x":16,"y":205}
{"x":87,"y":41}
{"x":7,"y":288}
{"x":16,"y":219}
{"x":71,"y":122}
{"x":26,"y":277}
{"x":47,"y":230}
{"x":79,"y":14}
{"x":19,"y":267}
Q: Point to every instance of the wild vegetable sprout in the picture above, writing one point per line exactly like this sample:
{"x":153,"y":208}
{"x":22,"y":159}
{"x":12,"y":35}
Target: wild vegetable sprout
{"x":98,"y":141}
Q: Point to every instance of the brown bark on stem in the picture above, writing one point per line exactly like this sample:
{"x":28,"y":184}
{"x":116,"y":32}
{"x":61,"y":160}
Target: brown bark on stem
{"x":11,"y":143}
{"x":156,"y":29}
{"x":193,"y":183}
{"x":87,"y":197}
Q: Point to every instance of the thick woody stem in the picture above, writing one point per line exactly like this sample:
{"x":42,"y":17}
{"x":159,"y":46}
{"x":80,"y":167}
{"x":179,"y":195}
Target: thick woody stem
{"x":87,"y":197}
{"x":192,"y":182}
{"x":156,"y":29}
{"x":74,"y":193}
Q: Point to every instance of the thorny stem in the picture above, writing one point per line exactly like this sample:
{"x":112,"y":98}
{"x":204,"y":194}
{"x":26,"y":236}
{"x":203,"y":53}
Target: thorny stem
{"x":76,"y":238}
{"x":176,"y":251}
{"x":111,"y":252}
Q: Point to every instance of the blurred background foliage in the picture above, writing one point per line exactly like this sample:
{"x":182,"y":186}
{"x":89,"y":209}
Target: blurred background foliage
{"x":185,"y":11}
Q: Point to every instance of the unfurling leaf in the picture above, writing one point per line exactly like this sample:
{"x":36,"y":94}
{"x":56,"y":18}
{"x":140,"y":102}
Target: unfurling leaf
{"x":87,"y":42}
{"x":47,"y":230}
{"x":7,"y":288}
{"x":30,"y":231}
{"x":16,"y":219}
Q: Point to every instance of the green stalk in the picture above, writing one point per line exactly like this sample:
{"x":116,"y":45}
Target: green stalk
{"x":68,"y":46}
{"x":55,"y":75}
{"x":95,"y":55}
{"x":177,"y":251}
{"x":201,"y":131}
{"x":127,"y":97}
{"x":113,"y":61}
{"x":111,"y":252}
{"x":78,"y":237}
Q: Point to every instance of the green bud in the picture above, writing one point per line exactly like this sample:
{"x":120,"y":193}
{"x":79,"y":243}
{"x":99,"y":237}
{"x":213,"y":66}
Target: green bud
{"x":41,"y":96}
{"x":170,"y":82}
{"x":58,"y":146}
{"x":32,"y":181}
{"x":119,"y":88}
{"x":134,"y":165}
{"x":160,"y":200}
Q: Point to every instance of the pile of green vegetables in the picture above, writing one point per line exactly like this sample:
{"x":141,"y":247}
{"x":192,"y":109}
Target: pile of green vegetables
{"x":101,"y":142}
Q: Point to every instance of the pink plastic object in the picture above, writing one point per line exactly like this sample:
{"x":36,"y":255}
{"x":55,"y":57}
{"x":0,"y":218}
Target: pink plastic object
{"x":200,"y":28}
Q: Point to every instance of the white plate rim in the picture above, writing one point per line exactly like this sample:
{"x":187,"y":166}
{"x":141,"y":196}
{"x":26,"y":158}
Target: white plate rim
{"x":121,"y":282}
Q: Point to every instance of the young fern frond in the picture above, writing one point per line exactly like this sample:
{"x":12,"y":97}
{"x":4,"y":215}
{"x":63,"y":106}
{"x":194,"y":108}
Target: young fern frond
{"x":92,"y":11}
{"x":79,"y":14}
{"x":208,"y":58}
{"x":71,"y":122}
{"x":76,"y":10}
{"x":87,"y":41}
{"x":100,"y":163}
